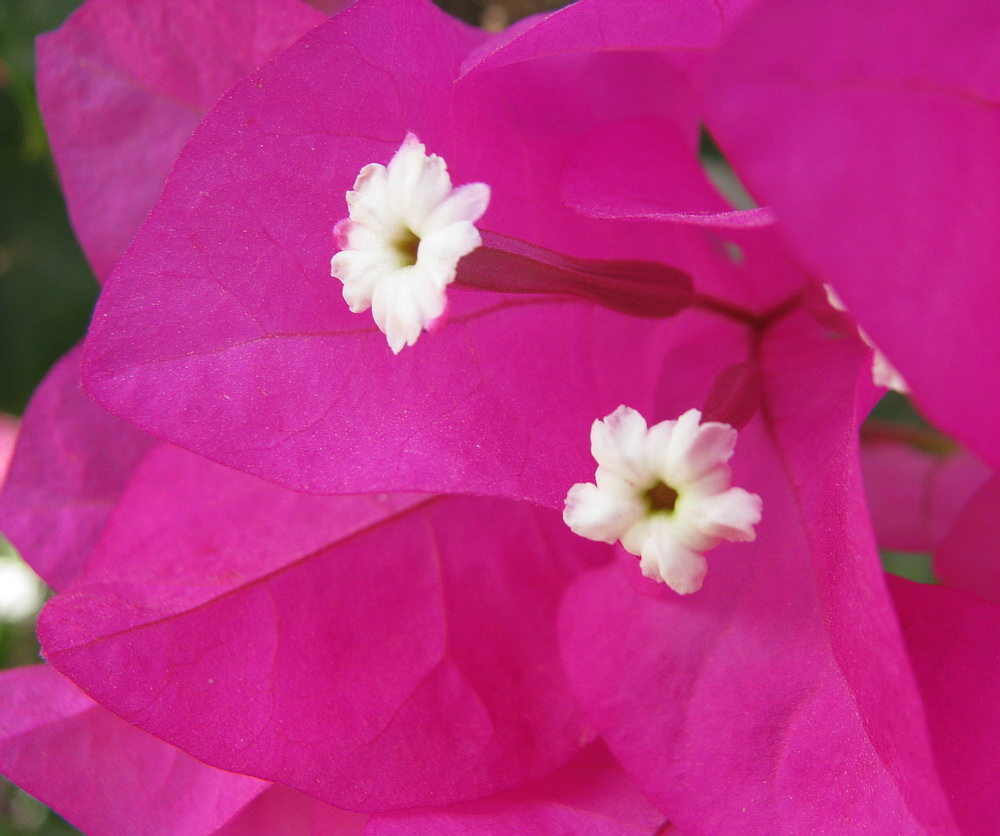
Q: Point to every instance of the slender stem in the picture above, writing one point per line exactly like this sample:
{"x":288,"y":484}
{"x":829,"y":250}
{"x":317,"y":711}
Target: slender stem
{"x":782,"y":309}
{"x":735,"y":312}
{"x":725,"y":309}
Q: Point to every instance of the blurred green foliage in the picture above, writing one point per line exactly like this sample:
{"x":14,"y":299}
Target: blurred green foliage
{"x":47,"y":291}
{"x":914,"y":566}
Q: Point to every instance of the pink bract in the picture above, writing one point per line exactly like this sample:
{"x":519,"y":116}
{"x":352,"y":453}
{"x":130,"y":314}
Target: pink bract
{"x":785,"y":678}
{"x":376,"y":652}
{"x":953,"y":645}
{"x":99,"y":771}
{"x":967,"y":556}
{"x":72,"y":461}
{"x":279,"y":810}
{"x":122,"y":85}
{"x":590,"y":796}
{"x":869,"y":131}
{"x":594,"y":794}
{"x":915,"y":495}
{"x":109,"y":778}
{"x":686,"y":31}
{"x":156,"y":68}
{"x":402,"y":654}
{"x":8,"y":435}
{"x":223,"y":332}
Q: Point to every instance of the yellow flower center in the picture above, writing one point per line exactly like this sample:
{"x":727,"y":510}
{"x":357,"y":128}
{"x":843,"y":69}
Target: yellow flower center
{"x":406,"y":245}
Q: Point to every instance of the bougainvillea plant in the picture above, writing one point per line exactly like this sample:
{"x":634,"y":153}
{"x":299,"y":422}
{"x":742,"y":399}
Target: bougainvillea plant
{"x":321,"y":570}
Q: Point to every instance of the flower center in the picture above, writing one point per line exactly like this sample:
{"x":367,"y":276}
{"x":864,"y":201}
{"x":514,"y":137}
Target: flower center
{"x":661,"y":497}
{"x":407,"y":244}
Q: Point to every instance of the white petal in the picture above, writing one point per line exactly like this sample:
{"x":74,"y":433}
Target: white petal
{"x":730,"y":515}
{"x":441,"y":251}
{"x":466,"y":203}
{"x":426,"y":295}
{"x":696,"y":448}
{"x":390,"y":206}
{"x":667,"y":560}
{"x":354,"y":236}
{"x":417,"y":182}
{"x":361,"y":272}
{"x":618,"y":444}
{"x":368,"y":204}
{"x":396,"y":309}
{"x":599,"y":515}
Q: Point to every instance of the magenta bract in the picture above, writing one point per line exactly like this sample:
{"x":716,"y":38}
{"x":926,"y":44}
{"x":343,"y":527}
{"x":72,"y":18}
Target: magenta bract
{"x":952,"y":640}
{"x":682,"y":32}
{"x":915,"y":496}
{"x":8,"y":434}
{"x":966,"y":556}
{"x":378,"y":653}
{"x":108,"y":777}
{"x":290,"y":813}
{"x":122,"y":85}
{"x":869,"y":131}
{"x":225,"y":301}
{"x":784,"y":679}
{"x":590,"y":796}
{"x":72,"y":461}
{"x":101,"y":773}
{"x":392,"y":640}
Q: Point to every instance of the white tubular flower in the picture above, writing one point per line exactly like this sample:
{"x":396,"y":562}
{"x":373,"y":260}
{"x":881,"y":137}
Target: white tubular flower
{"x":406,"y":232}
{"x":21,"y":591}
{"x":664,"y":492}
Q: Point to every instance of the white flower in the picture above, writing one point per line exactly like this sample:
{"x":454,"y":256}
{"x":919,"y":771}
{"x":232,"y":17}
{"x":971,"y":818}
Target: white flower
{"x":664,"y":492}
{"x":21,"y":590}
{"x":406,"y":232}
